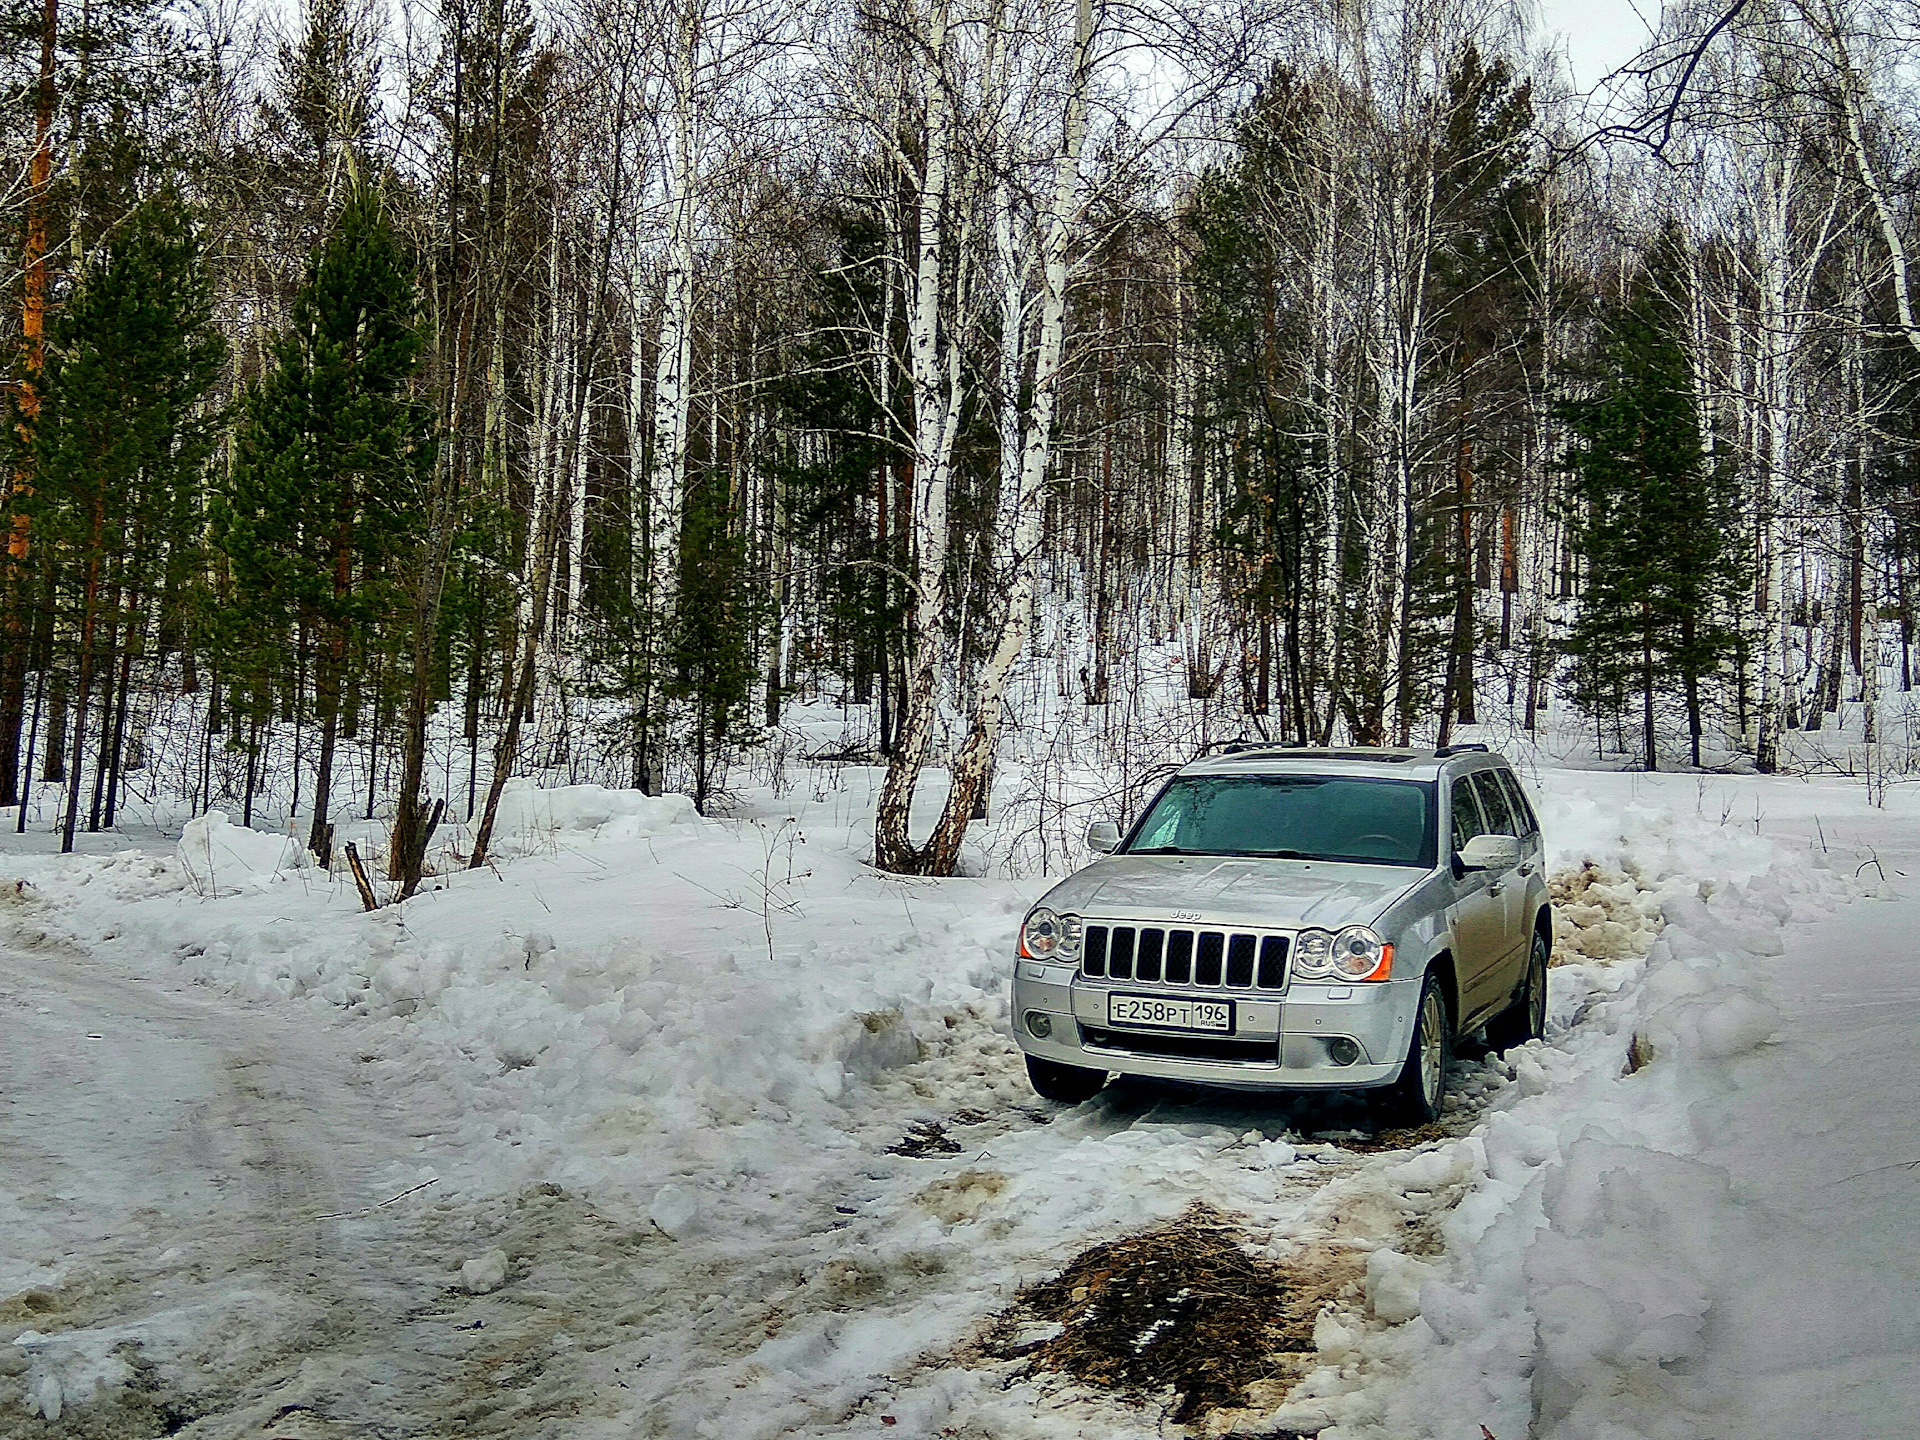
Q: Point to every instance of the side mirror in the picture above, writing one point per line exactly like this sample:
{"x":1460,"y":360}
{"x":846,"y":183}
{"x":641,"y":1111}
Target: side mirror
{"x":1103,"y":837}
{"x":1490,"y":852}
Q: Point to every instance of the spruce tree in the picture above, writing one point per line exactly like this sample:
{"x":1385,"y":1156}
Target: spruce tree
{"x":712,"y":658}
{"x":1649,"y":514}
{"x":325,"y":499}
{"x":123,"y":433}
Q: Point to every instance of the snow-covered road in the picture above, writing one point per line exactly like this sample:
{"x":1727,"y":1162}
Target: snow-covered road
{"x":1819,"y":1134}
{"x":199,"y":1185}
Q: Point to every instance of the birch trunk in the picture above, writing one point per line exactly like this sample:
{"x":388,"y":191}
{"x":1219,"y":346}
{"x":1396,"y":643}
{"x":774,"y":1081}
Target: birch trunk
{"x":1022,"y":519}
{"x":934,"y":361}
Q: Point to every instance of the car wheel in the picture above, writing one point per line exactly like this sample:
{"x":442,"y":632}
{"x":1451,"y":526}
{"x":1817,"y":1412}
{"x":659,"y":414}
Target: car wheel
{"x":1526,"y":1018}
{"x":1068,"y":1084}
{"x":1419,"y":1095}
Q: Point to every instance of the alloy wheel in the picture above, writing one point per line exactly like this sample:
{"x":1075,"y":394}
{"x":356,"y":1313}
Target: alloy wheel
{"x":1433,"y":1027}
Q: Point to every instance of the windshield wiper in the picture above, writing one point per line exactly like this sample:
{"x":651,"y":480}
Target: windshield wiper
{"x":1165,"y":850}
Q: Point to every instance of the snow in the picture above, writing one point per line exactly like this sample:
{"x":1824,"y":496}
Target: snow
{"x":484,"y":1274}
{"x":746,"y":1114}
{"x":220,"y":857}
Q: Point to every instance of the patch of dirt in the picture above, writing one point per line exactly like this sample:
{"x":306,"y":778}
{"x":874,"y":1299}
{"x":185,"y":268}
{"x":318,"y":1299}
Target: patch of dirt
{"x":924,"y":1138}
{"x":959,"y":1198}
{"x":1601,"y":914}
{"x":1385,"y":1140}
{"x":1183,"y":1307}
{"x":144,"y":1406}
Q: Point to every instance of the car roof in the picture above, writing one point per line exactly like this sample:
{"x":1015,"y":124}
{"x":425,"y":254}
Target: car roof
{"x":1359,"y":761}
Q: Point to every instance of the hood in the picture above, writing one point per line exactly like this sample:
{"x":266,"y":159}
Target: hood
{"x":1232,"y":890}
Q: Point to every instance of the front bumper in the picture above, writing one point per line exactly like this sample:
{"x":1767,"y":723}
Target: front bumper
{"x":1278,"y":1042}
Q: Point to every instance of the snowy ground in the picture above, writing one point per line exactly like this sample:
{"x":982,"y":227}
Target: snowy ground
{"x":665,"y":1126}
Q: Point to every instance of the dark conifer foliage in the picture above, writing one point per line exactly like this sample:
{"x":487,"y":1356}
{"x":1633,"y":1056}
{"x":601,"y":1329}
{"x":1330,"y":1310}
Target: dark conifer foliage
{"x":711,"y":659}
{"x":1650,"y":515}
{"x":118,"y":454}
{"x":326,"y":504}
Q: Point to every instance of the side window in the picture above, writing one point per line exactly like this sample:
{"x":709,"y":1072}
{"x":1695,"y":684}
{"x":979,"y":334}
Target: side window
{"x":1493,"y":804}
{"x":1466,"y":812}
{"x":1517,"y":799}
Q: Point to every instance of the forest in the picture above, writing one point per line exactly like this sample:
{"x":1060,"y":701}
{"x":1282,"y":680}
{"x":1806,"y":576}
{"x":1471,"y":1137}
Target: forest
{"x":402,"y":399}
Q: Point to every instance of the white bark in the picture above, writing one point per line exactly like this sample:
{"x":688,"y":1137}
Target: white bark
{"x":934,"y":372}
{"x":673,"y":359}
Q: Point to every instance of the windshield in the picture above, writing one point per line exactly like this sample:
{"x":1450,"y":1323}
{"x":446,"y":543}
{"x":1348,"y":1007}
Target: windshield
{"x":1301,"y":817}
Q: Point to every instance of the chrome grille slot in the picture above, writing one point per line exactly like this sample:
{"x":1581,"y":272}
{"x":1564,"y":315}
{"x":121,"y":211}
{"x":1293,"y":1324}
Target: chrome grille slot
{"x":1240,"y":961}
{"x":1093,"y":956}
{"x":1192,"y":959}
{"x":1273,"y":962}
{"x":1146,"y":959}
{"x":1120,"y":953}
{"x":1206,"y":964}
{"x":1179,"y":957}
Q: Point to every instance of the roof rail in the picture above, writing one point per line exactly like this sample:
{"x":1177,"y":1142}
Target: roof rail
{"x":1467,"y":747}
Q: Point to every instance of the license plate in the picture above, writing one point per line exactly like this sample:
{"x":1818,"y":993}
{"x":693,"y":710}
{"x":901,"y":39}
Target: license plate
{"x":1175,"y":1012}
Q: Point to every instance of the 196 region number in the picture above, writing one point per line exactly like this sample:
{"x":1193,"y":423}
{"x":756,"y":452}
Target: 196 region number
{"x":1170,"y":1013}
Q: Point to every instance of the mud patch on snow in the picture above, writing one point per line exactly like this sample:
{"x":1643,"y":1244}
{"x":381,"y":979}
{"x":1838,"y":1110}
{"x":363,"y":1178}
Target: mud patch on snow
{"x":1183,"y":1308}
{"x":1361,"y":1143}
{"x":138,"y":1405}
{"x":959,"y":1198}
{"x":924,"y":1138}
{"x":1601,"y":914}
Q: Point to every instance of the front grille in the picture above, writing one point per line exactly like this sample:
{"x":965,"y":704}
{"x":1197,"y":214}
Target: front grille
{"x":1207,"y":959}
{"x":1182,"y":1047}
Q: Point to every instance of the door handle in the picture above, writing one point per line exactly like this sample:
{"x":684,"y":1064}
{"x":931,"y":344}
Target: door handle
{"x":1493,"y":890}
{"x":1526,"y":867}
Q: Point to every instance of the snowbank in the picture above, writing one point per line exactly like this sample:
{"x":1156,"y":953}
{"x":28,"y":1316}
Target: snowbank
{"x":1585,"y":1260}
{"x":220,"y":857}
{"x":530,"y":818}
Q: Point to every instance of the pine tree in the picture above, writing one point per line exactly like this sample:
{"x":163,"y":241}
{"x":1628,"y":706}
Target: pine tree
{"x":332,"y":457}
{"x":123,"y":433}
{"x":1648,"y":514}
{"x":712,"y":655}
{"x":1249,"y":223}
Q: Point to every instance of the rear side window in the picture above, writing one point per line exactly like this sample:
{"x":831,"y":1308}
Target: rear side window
{"x":1517,"y":799}
{"x":1494,"y":805}
{"x":1466,"y":812}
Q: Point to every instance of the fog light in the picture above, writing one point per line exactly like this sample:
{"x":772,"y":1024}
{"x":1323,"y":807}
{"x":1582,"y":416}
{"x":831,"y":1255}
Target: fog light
{"x":1039,"y":1024}
{"x":1342,"y":1049}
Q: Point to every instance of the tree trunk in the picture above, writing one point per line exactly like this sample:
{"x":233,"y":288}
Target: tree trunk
{"x":33,"y":313}
{"x":935,"y":361}
{"x":83,"y":687}
{"x":328,"y":677}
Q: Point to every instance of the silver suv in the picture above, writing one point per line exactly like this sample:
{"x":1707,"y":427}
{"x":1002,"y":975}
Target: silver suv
{"x":1295,"y":919}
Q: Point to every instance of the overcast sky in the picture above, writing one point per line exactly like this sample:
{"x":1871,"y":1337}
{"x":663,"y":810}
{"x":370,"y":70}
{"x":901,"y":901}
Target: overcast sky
{"x":1598,"y":35}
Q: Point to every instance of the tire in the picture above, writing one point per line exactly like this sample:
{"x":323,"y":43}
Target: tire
{"x":1526,"y":1018}
{"x":1067,"y":1084}
{"x":1418,"y":1097}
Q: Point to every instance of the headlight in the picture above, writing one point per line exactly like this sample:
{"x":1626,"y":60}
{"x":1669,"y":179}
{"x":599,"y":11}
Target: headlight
{"x":1359,"y":954}
{"x":1047,"y":936}
{"x":1355,"y":953}
{"x":1312,"y":949}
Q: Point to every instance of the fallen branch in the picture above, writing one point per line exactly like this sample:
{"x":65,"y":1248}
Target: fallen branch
{"x":360,"y":878}
{"x":369,"y":1209}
